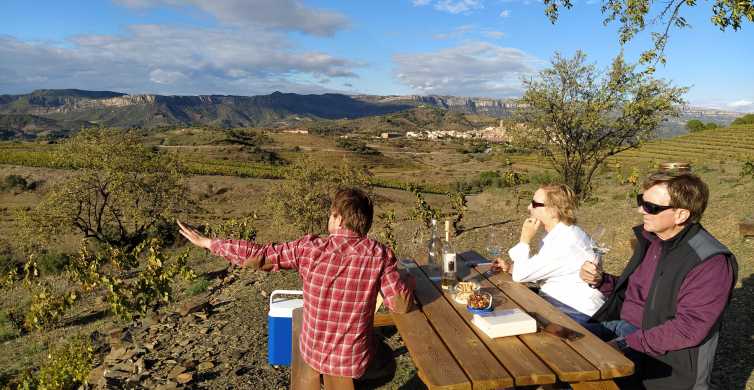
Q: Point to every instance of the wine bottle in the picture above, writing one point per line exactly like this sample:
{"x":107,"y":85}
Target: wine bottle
{"x":434,"y":248}
{"x":449,"y":276}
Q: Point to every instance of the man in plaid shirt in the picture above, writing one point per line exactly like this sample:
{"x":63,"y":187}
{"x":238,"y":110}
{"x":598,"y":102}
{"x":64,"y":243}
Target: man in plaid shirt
{"x":342,"y":275}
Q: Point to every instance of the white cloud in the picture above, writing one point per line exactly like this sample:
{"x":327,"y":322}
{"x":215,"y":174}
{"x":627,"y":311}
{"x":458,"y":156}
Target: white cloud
{"x":160,"y":59}
{"x":472,"y":69}
{"x":456,"y":33}
{"x":452,"y":6}
{"x":288,"y":15}
{"x":741,"y":106}
{"x":741,"y":103}
{"x":458,"y":6}
{"x":466,"y":30}
{"x":505,"y":13}
{"x":160,"y":76}
{"x":494,"y":34}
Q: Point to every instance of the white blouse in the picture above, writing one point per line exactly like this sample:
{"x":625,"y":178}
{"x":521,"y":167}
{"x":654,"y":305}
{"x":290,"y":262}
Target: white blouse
{"x":556,"y":267}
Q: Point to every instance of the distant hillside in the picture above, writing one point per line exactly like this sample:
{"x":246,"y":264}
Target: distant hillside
{"x":26,"y":126}
{"x":499,"y":108}
{"x":112,"y":109}
{"x":422,"y":118}
{"x":62,"y":111}
{"x":677,"y":126}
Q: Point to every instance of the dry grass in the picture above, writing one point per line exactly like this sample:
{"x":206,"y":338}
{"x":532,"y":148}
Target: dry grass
{"x":223,"y":197}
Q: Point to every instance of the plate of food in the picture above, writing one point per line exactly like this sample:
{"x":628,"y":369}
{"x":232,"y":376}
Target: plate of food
{"x":479,"y":302}
{"x":463,"y":290}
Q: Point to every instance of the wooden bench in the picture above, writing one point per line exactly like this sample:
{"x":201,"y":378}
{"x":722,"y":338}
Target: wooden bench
{"x":302,"y":376}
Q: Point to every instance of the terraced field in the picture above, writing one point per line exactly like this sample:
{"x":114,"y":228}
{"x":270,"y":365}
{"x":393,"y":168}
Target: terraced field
{"x":731,"y":143}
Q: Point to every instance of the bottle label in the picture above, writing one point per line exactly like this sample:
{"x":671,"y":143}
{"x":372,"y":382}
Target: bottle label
{"x":449,"y":262}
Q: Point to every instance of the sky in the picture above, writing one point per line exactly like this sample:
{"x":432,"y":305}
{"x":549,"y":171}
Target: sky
{"x":393,"y":47}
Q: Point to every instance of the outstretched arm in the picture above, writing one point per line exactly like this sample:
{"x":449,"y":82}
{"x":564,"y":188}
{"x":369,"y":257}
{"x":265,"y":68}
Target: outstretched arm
{"x":238,"y":252}
{"x":194,"y":236}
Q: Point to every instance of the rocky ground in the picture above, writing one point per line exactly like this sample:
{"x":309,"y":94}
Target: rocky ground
{"x":210,"y":341}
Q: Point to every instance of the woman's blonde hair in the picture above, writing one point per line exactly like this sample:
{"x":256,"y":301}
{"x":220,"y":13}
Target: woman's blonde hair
{"x":563,"y":200}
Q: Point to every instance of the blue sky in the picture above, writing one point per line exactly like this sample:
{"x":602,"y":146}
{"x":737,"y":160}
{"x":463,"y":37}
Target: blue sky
{"x":249,"y":47}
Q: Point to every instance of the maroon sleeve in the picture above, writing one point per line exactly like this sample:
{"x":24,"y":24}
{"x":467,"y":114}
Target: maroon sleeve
{"x":608,"y":284}
{"x":701,"y":300}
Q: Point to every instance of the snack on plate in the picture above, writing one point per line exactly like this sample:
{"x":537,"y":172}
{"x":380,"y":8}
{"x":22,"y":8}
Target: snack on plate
{"x":463,"y":291}
{"x":479,"y":301}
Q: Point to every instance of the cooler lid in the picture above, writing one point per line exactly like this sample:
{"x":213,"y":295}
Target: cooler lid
{"x":283,"y":306}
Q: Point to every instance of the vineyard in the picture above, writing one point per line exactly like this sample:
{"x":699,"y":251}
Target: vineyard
{"x":735,"y":143}
{"x":42,"y":156}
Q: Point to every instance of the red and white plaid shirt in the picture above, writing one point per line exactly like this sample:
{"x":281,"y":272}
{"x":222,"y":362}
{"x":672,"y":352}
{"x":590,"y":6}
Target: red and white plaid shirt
{"x":342,"y":275}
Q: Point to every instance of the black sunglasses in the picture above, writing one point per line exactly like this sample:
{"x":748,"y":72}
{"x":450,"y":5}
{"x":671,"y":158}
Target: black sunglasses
{"x":650,"y":208}
{"x":535,"y":204}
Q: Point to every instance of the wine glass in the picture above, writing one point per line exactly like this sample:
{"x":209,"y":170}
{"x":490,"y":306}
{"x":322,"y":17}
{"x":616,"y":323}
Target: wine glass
{"x":493,"y":246}
{"x":598,"y":248}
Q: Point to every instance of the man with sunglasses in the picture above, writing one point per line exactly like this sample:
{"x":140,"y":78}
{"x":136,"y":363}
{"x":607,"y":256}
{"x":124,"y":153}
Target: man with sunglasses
{"x":665,"y":310}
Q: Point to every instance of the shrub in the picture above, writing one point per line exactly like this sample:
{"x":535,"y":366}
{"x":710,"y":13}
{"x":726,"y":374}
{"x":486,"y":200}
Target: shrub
{"x":7,"y":260}
{"x":356,"y":146}
{"x":200,"y":285}
{"x":694,"y":125}
{"x":48,"y":307}
{"x":103,"y":271}
{"x":387,"y":221}
{"x":67,"y":367}
{"x":236,"y":229}
{"x":475,"y":147}
{"x":747,"y":169}
{"x":53,"y":262}
{"x":18,"y":184}
{"x":543,"y":178}
{"x":8,"y":331}
{"x":747,"y":119}
{"x":301,"y":203}
{"x":491,"y":179}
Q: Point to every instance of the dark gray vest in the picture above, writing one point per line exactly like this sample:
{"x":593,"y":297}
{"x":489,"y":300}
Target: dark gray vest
{"x":688,"y":368}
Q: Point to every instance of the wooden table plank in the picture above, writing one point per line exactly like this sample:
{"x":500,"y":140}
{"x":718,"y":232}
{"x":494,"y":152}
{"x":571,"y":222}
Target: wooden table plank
{"x":482,"y":368}
{"x":522,"y":364}
{"x":437,"y":367}
{"x":560,"y":357}
{"x":608,"y":361}
{"x":611,"y":363}
{"x":595,"y":385}
{"x":567,"y":364}
{"x":383,"y":319}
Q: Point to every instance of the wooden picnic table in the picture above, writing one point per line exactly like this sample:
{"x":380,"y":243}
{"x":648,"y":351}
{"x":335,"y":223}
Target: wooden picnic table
{"x":451,"y":353}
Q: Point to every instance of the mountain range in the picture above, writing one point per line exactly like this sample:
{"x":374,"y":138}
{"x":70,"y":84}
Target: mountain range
{"x":57,"y":112}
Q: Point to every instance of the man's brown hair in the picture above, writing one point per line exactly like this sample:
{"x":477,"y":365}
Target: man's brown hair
{"x":687,"y":191}
{"x":561,"y":198}
{"x":356,"y":209}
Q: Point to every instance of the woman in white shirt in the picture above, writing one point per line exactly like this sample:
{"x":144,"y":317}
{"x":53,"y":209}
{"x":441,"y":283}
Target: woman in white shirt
{"x":564,"y":249}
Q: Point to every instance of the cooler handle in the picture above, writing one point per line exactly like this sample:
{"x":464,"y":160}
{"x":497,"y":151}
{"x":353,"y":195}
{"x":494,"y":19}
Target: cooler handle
{"x":285,"y":292}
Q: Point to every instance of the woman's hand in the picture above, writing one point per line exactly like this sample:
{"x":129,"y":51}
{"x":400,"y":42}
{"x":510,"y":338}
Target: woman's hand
{"x":529,"y":229}
{"x":194,"y":236}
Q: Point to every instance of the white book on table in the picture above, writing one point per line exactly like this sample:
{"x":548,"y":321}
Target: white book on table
{"x":505,"y":322}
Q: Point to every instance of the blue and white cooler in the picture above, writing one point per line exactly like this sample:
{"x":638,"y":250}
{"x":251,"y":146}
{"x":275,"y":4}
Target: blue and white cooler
{"x":280,"y":325}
